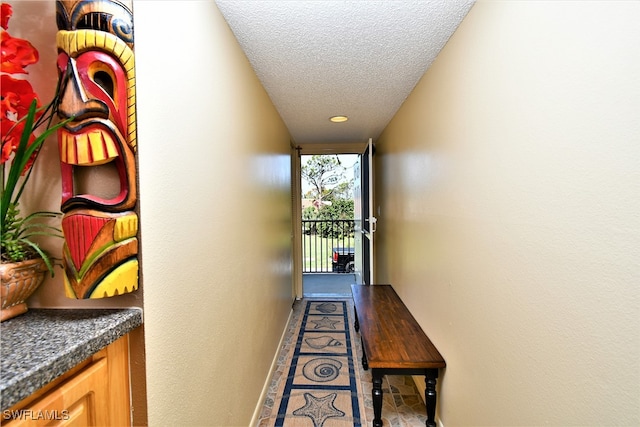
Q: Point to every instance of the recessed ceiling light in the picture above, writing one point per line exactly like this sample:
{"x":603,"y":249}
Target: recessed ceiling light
{"x":339,"y":119}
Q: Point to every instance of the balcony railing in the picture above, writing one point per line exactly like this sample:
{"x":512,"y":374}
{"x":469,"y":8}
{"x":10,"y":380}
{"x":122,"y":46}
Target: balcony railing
{"x":319,"y":238}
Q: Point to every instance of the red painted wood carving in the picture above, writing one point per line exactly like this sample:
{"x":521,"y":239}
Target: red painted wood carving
{"x":98,"y":147}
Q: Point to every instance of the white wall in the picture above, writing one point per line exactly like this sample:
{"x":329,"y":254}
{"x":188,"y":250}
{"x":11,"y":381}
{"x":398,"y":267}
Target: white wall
{"x":215,"y":217}
{"x":509,"y":195}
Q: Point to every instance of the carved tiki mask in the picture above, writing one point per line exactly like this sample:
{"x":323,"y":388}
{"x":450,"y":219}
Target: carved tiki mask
{"x":98,"y":147}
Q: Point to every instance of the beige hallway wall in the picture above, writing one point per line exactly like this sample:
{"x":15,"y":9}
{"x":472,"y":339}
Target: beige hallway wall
{"x":215,"y":217}
{"x":508,"y":188}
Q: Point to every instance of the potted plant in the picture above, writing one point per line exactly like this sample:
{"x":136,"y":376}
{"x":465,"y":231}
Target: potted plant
{"x":25,"y":126}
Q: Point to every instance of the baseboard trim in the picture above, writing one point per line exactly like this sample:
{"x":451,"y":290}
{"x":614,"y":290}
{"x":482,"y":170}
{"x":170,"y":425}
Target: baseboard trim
{"x":274,"y":363}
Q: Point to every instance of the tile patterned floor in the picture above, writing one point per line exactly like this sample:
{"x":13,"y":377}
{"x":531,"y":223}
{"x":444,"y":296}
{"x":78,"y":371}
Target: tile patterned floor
{"x":402,"y":403}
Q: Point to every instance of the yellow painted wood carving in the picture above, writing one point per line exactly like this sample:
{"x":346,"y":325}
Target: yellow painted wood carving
{"x":96,"y":69}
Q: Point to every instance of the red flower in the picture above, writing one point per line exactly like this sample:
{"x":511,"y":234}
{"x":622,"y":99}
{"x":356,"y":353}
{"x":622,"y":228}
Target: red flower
{"x":6,"y":12}
{"x":16,"y":54}
{"x":16,"y":94}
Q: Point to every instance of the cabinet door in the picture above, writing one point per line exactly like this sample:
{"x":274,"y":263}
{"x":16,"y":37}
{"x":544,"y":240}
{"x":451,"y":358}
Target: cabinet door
{"x":94,"y":393}
{"x":81,"y":401}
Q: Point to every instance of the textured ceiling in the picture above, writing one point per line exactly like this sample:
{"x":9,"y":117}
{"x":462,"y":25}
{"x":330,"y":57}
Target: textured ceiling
{"x":317,"y":59}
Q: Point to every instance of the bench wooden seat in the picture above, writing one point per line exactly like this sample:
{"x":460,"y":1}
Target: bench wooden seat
{"x":393,"y":343}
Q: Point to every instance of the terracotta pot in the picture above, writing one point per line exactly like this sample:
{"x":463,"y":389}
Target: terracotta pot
{"x":19,"y":280}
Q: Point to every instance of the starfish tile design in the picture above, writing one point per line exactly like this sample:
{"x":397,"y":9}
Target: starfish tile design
{"x":325,"y":322}
{"x":319,"y":409}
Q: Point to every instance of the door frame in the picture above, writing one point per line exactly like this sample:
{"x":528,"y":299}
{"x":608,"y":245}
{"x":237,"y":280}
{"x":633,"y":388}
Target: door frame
{"x":298,"y":150}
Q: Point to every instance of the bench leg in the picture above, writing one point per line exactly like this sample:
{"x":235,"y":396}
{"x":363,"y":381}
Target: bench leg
{"x":377,"y":399}
{"x":365,"y":364}
{"x":356,"y":324}
{"x":430,"y":397}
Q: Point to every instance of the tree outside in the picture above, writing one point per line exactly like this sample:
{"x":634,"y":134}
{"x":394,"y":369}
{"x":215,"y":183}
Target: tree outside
{"x":327,"y":193}
{"x":327,"y":185}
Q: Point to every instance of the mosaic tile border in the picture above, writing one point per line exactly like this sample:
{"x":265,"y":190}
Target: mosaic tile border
{"x":402,"y":407}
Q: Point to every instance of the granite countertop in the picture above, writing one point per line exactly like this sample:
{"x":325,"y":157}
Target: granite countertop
{"x":42,"y":344}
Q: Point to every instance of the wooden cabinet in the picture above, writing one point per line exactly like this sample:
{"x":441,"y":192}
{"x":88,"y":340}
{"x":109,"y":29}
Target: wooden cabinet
{"x":94,"y":393}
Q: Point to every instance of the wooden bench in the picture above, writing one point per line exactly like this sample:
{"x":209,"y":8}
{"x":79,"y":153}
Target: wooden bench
{"x":393,"y":344}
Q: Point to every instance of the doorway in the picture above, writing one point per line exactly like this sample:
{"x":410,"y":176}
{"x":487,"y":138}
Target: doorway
{"x":327,"y":224}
